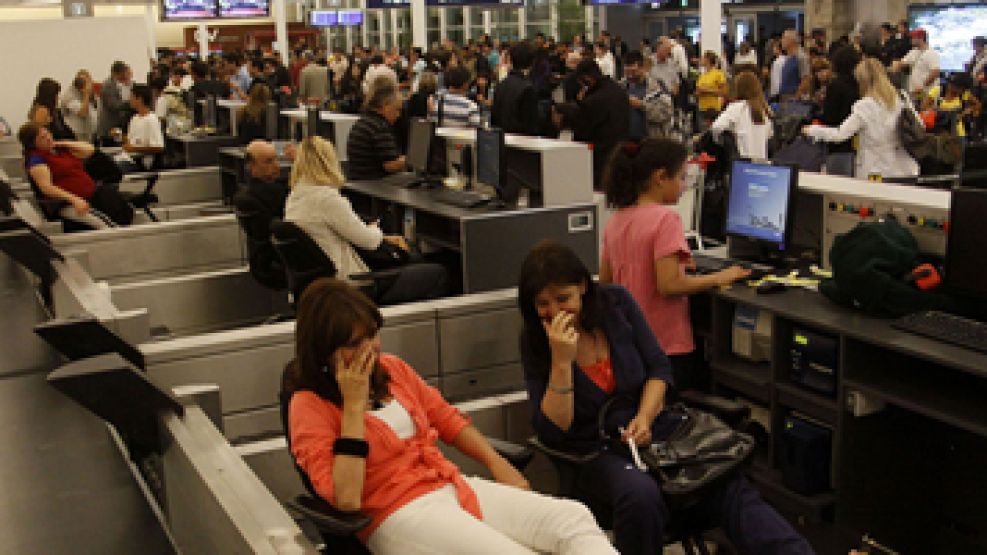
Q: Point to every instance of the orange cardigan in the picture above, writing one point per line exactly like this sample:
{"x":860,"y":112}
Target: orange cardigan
{"x":398,"y":471}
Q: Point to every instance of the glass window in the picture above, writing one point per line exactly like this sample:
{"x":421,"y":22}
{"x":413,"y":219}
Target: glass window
{"x":404,"y":28}
{"x":504,"y":24}
{"x":432,"y":33}
{"x":572,"y":19}
{"x":454,"y":17}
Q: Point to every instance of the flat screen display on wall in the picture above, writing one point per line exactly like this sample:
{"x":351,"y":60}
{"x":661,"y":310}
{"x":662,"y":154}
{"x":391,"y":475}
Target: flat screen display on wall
{"x":951,"y":27}
{"x":232,"y":9}
{"x":177,"y":10}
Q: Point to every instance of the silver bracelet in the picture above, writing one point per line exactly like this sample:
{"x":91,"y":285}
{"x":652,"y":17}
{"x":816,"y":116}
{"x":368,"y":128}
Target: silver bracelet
{"x":560,"y":390}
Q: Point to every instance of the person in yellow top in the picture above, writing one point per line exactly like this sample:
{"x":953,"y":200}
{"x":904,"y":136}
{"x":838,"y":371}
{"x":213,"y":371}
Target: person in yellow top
{"x":711,"y":87}
{"x":957,"y":99}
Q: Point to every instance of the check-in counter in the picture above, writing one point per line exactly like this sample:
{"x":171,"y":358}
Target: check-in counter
{"x":182,"y":186}
{"x":13,"y":165}
{"x":198,"y":150}
{"x":466,"y":346}
{"x":10,"y":146}
{"x":557,"y":172}
{"x":135,"y":253}
{"x":334,"y":126}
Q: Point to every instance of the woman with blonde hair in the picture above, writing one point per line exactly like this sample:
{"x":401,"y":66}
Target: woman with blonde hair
{"x":875,"y":118}
{"x":252,"y":122}
{"x":748,"y":117}
{"x":317,"y":206}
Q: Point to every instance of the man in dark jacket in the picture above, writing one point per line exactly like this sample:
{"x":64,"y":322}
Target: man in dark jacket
{"x":515,"y":106}
{"x":600,"y":115}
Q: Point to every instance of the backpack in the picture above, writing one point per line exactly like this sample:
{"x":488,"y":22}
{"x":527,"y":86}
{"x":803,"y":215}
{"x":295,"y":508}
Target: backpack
{"x":869,"y":264}
{"x":911,"y":131}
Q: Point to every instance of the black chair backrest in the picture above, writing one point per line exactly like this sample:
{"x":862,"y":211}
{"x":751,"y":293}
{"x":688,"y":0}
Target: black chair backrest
{"x":7,"y":197}
{"x":255,"y":220}
{"x":303,"y":259}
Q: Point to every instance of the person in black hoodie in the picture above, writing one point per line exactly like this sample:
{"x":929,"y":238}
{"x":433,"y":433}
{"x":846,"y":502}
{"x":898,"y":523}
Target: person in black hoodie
{"x":515,"y":106}
{"x":600,"y":115}
{"x":841,"y":93}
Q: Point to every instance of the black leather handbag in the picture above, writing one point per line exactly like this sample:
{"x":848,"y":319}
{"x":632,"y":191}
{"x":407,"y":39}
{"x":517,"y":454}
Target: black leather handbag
{"x":699,"y":453}
{"x":384,"y":257}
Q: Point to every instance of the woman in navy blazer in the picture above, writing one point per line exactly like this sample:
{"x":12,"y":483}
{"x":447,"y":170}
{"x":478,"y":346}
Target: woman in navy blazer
{"x":583,"y":344}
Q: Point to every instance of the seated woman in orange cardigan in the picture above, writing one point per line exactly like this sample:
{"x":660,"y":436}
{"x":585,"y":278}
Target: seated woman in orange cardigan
{"x":363,"y":427}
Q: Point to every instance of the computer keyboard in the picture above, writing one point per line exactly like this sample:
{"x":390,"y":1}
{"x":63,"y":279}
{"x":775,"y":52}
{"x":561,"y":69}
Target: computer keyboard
{"x":462,"y":199}
{"x":945,"y":327}
{"x":710,"y":264}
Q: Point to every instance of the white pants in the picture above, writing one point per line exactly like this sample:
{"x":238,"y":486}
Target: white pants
{"x":514,"y":521}
{"x":94,"y":218}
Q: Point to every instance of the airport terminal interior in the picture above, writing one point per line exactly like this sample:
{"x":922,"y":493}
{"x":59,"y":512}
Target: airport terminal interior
{"x":493,"y":276}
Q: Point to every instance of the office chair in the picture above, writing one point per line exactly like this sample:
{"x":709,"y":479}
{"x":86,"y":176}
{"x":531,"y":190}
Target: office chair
{"x":255,"y":220}
{"x":304,"y":262}
{"x":144,"y":199}
{"x":338,"y":528}
{"x":684,"y":526}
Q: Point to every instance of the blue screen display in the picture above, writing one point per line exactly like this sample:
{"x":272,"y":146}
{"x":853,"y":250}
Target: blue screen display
{"x":758,"y":205}
{"x":323,"y":18}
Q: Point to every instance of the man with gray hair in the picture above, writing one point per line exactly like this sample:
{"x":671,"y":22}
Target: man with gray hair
{"x":265,"y":181}
{"x":313,"y":81}
{"x":796,"y":72}
{"x":664,"y":70}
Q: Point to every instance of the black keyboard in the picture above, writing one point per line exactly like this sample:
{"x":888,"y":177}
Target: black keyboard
{"x":711,"y":264}
{"x":947,"y":328}
{"x":462,"y":199}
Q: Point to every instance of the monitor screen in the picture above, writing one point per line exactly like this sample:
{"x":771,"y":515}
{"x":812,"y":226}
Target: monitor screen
{"x":350,"y":17}
{"x":420,"y":134}
{"x":490,"y":158}
{"x":967,"y":250}
{"x":760,"y":201}
{"x":323,"y":18}
{"x":244,"y":8}
{"x":950,"y":29}
{"x":187,"y":9}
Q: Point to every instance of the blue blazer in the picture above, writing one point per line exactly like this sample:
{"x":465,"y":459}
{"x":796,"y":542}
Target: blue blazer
{"x":635,"y":357}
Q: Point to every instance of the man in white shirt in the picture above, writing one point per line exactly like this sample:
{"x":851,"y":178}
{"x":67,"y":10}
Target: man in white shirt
{"x":923,"y":61}
{"x":680,"y":57}
{"x":663,"y":67}
{"x":605,"y":60}
{"x":144,"y":138}
{"x":777,"y":65}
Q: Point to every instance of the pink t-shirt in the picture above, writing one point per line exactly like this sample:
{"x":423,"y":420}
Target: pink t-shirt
{"x":636,"y":237}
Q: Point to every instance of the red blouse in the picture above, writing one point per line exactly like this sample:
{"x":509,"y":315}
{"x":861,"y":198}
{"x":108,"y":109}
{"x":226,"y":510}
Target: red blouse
{"x":602,"y":375}
{"x":67,"y":171}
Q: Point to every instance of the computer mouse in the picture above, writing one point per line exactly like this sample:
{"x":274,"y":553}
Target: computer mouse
{"x":769,"y":287}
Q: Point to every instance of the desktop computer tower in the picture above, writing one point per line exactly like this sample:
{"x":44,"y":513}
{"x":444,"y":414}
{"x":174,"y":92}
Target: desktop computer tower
{"x":806,"y":452}
{"x":814,"y":361}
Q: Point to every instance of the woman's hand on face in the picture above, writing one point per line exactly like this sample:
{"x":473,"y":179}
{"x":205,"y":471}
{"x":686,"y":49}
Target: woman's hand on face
{"x":562,"y":337}
{"x":505,"y":473}
{"x":638,"y":431}
{"x":354,"y":378}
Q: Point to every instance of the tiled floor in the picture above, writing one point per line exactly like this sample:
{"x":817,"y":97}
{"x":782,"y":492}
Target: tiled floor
{"x":65,"y":487}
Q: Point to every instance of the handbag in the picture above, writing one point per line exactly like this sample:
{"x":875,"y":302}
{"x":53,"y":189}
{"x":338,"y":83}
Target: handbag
{"x":699,"y":453}
{"x":384,"y":257}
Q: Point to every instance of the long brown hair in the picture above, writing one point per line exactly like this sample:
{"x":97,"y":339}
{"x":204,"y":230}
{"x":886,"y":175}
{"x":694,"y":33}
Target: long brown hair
{"x":330,"y":313}
{"x":256,"y":107}
{"x":749,"y":88}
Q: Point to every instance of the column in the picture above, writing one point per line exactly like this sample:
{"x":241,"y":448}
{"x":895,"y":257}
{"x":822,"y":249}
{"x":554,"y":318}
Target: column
{"x":467,"y":28}
{"x":710,"y":18}
{"x":152,"y":41}
{"x":488,"y":22}
{"x":382,"y":23}
{"x":588,"y":32}
{"x":202,"y":36}
{"x":553,"y":19}
{"x":419,"y":21}
{"x":365,"y":28}
{"x":601,"y":14}
{"x":395,"y":31}
{"x":443,"y":33}
{"x":281,"y":28}
{"x":522,"y":23}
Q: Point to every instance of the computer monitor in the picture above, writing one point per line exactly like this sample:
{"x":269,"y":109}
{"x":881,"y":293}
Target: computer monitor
{"x":966,"y":250}
{"x":420,"y":135}
{"x":761,"y":203}
{"x":490,"y":162}
{"x":974,"y":169}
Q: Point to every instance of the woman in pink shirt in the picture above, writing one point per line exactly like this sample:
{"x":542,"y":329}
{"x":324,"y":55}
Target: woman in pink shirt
{"x":644,"y":246}
{"x":363,"y":427}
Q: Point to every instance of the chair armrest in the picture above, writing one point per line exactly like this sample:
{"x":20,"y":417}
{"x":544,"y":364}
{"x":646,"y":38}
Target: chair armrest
{"x":730,"y":411}
{"x":377,"y":274}
{"x":326,"y":518}
{"x":518,"y":455}
{"x":140,"y":176}
{"x":567,"y":456}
